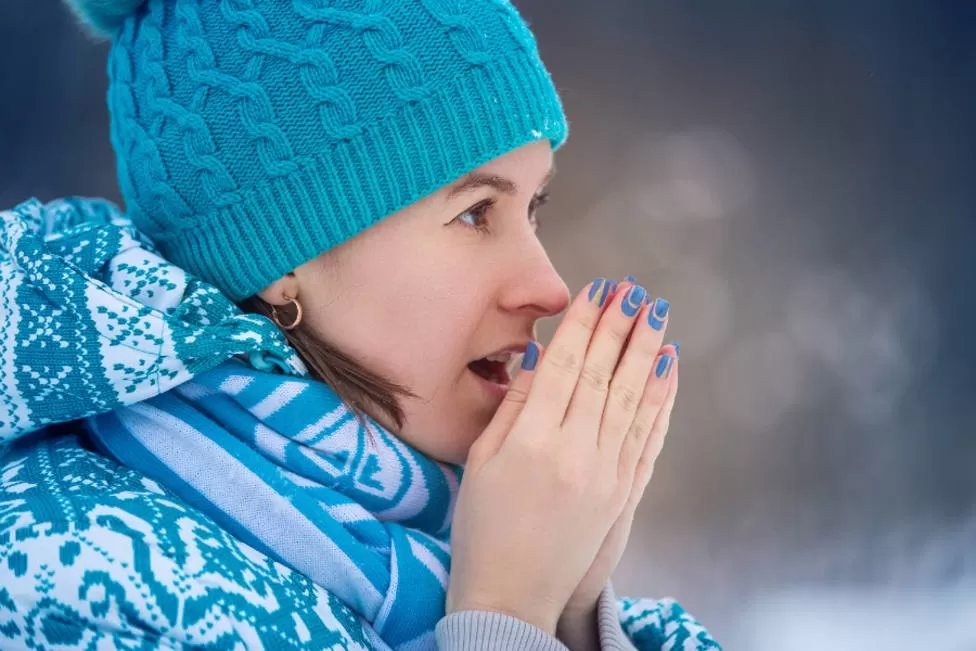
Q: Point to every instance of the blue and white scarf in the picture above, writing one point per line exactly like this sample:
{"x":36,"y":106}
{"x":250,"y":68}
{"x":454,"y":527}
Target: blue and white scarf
{"x":92,"y":317}
{"x":281,"y":463}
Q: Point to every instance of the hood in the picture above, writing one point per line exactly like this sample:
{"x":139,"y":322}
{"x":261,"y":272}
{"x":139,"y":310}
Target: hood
{"x":92,"y":317}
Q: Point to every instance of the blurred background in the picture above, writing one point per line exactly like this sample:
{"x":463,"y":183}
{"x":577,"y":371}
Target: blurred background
{"x":798,"y":179}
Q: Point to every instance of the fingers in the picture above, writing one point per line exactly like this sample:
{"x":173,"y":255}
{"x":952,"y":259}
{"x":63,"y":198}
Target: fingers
{"x":558,"y":374}
{"x":645,"y":436}
{"x":631,"y":377}
{"x":655,"y":440}
{"x":600,"y":366}
{"x":501,"y":424}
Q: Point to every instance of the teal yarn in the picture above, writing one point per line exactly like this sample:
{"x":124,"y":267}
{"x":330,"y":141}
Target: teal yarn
{"x":253,"y":135}
{"x":103,"y":17}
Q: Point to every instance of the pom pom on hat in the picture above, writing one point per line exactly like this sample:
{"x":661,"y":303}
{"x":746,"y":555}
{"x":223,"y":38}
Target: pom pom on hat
{"x":103,"y":17}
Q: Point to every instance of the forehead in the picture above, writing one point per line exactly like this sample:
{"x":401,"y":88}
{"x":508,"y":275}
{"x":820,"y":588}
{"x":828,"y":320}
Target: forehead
{"x":535,"y":153}
{"x":531,"y":165}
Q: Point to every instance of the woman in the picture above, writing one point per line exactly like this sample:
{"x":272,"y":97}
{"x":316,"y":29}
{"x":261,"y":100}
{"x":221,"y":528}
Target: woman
{"x":235,"y":417}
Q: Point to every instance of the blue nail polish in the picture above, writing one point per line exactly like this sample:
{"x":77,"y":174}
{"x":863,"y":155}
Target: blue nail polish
{"x":531,"y":357}
{"x":599,"y":291}
{"x":655,"y":317}
{"x":661,"y":307}
{"x":630,"y":279}
{"x":677,"y":349}
{"x":663,"y":366}
{"x":633,"y":300}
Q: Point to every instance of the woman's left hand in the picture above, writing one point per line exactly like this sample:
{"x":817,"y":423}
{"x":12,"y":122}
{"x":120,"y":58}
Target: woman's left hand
{"x":577,"y":625}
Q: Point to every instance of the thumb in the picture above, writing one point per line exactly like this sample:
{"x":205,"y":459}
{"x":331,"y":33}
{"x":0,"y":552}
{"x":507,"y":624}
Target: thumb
{"x":502,"y":422}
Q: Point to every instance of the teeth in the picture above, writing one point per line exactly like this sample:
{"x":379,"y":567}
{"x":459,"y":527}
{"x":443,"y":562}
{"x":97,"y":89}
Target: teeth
{"x":500,"y":357}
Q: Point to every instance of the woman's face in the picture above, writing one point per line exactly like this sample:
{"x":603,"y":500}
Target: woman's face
{"x":421,"y":296}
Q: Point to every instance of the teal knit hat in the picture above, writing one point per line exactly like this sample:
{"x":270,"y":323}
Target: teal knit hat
{"x":253,"y":135}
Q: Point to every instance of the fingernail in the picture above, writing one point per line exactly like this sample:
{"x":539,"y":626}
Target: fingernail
{"x":663,"y":366}
{"x":655,"y":317}
{"x":531,"y":357}
{"x":630,"y":279}
{"x":599,"y":291}
{"x":633,"y":300}
{"x":677,"y":349}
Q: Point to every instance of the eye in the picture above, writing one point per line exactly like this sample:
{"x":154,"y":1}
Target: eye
{"x":538,"y":201}
{"x":476,"y":216}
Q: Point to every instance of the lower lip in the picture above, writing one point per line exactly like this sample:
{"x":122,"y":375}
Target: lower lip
{"x":494,"y":389}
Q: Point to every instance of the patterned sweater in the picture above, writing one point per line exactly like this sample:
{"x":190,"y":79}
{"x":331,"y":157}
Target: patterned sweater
{"x":94,"y":555}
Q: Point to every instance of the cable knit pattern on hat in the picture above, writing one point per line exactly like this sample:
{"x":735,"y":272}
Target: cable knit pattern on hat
{"x":253,"y":135}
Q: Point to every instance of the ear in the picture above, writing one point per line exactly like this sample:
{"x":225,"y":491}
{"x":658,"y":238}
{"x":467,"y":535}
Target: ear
{"x":278,"y":292}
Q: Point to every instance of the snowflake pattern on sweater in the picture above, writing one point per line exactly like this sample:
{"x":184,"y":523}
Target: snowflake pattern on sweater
{"x":95,"y":556}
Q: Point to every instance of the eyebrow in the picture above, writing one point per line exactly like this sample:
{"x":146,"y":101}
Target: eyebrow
{"x":475,"y":180}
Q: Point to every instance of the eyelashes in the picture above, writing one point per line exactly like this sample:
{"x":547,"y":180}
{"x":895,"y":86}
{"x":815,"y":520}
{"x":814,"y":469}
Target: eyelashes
{"x":538,"y":201}
{"x":480,"y":213}
{"x":476,"y":216}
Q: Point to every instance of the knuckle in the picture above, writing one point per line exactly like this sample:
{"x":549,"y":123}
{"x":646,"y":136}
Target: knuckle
{"x":516,"y":395}
{"x":642,"y":425}
{"x":596,"y":375}
{"x":564,"y":359}
{"x":626,"y":396}
{"x":649,"y":347}
{"x":585,"y":319}
{"x":618,"y":333}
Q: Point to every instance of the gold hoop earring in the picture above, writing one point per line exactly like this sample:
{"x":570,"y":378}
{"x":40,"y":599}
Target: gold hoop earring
{"x":298,"y":315}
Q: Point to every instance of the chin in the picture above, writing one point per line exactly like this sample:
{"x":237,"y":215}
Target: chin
{"x":446,"y":430}
{"x":448,"y":442}
{"x":447,"y":453}
{"x":457,"y":447}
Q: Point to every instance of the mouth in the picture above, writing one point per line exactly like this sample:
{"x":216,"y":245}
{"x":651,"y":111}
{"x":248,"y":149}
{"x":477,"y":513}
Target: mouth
{"x":496,"y":368}
{"x":493,"y":368}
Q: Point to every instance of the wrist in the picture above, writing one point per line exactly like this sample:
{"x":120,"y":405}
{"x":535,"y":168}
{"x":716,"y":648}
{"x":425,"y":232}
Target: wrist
{"x":578,"y":627}
{"x":577,"y":609}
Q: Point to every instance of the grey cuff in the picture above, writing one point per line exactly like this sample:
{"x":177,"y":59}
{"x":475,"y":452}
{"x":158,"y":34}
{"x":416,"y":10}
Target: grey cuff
{"x":612,"y":636}
{"x":480,"y":630}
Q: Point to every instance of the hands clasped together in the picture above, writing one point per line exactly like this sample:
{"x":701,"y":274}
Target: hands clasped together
{"x":551,"y":486}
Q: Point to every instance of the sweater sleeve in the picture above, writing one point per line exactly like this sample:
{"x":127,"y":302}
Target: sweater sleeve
{"x":623,"y":624}
{"x":612,"y":635}
{"x":478,"y":630}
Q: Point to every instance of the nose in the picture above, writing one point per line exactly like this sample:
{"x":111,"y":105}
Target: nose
{"x":535,"y":286}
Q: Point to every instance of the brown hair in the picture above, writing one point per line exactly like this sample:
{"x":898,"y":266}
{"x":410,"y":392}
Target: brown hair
{"x":367,"y":393}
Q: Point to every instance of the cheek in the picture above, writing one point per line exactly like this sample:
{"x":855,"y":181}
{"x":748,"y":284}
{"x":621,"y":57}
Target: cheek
{"x":414,"y":335}
{"x":426,"y":347}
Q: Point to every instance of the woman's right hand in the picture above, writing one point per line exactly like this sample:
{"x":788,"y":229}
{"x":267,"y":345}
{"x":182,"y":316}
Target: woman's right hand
{"x":552,"y":472}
